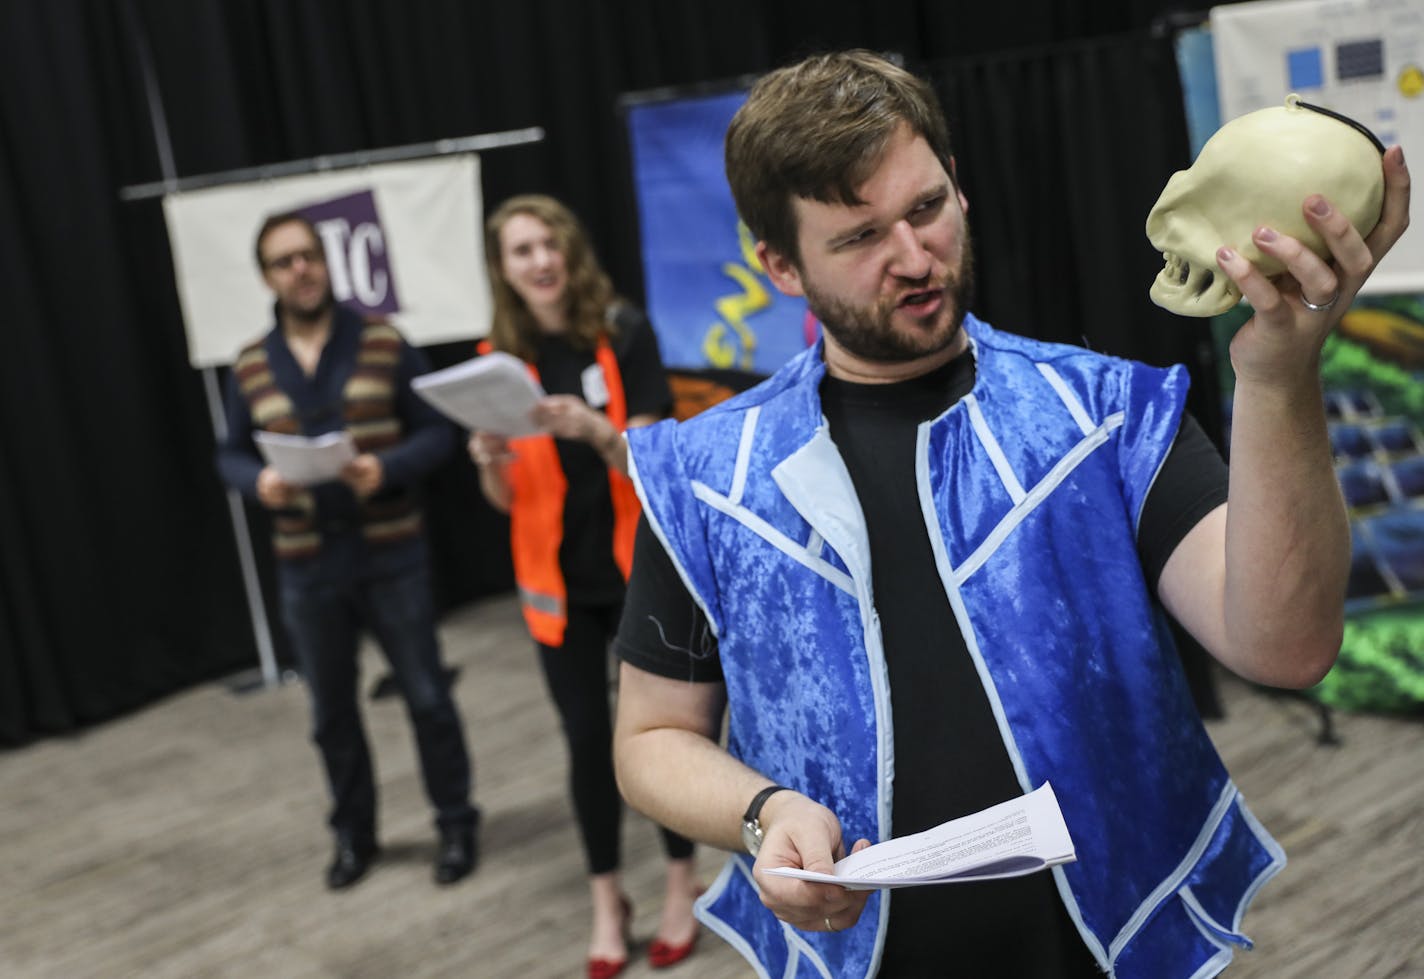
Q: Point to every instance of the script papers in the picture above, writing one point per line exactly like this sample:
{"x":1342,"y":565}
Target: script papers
{"x":306,"y":460}
{"x":1010,"y":839}
{"x":493,"y":393}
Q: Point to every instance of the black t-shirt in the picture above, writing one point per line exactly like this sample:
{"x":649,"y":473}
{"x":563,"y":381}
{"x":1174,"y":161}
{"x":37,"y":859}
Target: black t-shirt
{"x":1014,"y":927}
{"x":586,"y":553}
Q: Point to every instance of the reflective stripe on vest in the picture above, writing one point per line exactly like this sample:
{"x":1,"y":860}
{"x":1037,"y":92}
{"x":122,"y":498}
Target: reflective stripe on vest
{"x":538,"y":488}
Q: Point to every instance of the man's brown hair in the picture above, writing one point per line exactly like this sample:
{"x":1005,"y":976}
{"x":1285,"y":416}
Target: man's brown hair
{"x":817,"y":130}
{"x":274,"y":221}
{"x":590,"y":292}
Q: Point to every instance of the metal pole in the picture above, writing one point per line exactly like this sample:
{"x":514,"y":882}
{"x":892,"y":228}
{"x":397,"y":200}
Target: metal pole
{"x":257,"y":611}
{"x":256,"y":608}
{"x":338,"y":161}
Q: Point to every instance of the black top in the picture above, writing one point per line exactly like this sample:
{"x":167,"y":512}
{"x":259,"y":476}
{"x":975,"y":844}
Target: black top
{"x":586,"y":554}
{"x":1014,"y":927}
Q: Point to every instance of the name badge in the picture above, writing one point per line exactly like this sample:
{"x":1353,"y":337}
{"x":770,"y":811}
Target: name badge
{"x":595,"y":387}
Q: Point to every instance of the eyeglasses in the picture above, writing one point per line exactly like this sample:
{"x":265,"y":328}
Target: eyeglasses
{"x":311,"y":256}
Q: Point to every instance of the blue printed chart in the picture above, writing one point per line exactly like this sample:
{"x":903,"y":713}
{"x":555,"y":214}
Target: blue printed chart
{"x":1363,"y":58}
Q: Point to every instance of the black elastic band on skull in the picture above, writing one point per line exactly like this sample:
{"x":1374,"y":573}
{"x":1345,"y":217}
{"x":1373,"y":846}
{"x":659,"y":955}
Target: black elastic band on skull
{"x":1359,"y":126}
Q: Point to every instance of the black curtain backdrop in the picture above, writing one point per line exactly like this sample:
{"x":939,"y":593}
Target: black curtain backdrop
{"x":1061,"y":152}
{"x":119,"y":578}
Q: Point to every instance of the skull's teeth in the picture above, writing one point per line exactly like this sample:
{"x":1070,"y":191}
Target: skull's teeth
{"x":1176,"y":268}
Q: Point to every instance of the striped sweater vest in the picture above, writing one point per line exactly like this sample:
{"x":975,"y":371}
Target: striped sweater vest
{"x":368,"y":407}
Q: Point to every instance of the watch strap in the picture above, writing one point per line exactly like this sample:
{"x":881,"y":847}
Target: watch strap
{"x":759,"y":800}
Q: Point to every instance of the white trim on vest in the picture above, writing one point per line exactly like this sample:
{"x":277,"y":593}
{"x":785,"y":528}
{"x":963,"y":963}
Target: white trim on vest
{"x":815,"y":542}
{"x":995,"y":451}
{"x":1069,"y":399}
{"x":650,"y":515}
{"x":744,"y":455}
{"x":774,"y":537}
{"x":815,"y":481}
{"x":952,"y":580}
{"x":1218,"y":931}
{"x":1037,"y":495}
{"x":702,"y":908}
{"x":1172,"y":883}
{"x":799,"y":947}
{"x":1277,"y":864}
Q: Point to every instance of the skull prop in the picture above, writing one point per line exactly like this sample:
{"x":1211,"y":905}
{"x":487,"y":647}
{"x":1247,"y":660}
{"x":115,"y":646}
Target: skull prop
{"x":1258,"y":170}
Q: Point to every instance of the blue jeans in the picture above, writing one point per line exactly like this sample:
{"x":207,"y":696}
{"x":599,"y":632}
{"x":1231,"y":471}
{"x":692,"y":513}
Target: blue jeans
{"x":325,"y":607}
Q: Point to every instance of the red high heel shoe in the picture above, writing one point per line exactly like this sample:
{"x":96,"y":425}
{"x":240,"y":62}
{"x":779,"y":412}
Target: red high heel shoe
{"x":608,"y":968}
{"x":662,"y":954}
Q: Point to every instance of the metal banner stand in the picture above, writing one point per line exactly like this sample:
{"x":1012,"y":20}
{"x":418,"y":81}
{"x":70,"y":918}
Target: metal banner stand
{"x":268,"y":674}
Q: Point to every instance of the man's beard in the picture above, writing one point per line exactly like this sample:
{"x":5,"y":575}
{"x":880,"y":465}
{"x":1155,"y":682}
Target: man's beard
{"x":868,"y":332}
{"x":310,"y":314}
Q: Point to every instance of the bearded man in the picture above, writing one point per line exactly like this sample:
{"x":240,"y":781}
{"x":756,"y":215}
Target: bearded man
{"x":923,"y":569}
{"x":351,"y":552}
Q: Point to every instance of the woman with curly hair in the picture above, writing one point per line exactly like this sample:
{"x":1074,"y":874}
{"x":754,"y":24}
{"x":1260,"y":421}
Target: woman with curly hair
{"x":573,"y":513}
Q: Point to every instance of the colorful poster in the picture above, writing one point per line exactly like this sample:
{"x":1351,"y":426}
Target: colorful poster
{"x":402,"y":240}
{"x":707,"y":295}
{"x":1373,"y":369}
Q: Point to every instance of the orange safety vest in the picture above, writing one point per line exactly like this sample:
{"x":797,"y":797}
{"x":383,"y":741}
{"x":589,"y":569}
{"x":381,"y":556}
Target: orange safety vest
{"x":536,"y":513}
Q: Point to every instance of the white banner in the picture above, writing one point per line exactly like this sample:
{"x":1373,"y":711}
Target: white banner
{"x":402,"y":239}
{"x":1362,"y":58}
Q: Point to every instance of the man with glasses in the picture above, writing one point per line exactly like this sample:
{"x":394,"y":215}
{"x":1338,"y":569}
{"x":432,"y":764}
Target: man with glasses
{"x":351,"y":552}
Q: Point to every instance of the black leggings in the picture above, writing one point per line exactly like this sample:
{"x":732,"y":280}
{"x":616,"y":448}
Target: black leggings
{"x":577,"y":676}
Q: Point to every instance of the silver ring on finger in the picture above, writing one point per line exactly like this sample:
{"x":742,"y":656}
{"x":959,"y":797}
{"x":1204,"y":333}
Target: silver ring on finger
{"x":1320,"y":307}
{"x":829,"y":926}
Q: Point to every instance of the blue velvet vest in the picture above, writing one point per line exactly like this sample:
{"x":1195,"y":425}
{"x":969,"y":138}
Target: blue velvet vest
{"x":1031,"y":487}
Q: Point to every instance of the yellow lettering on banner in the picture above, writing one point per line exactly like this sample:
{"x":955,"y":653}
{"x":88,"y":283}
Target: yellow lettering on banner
{"x":735,"y":309}
{"x":718,"y":348}
{"x":730,"y":341}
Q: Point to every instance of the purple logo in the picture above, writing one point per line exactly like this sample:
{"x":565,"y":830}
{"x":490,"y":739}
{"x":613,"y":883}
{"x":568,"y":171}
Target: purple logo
{"x":356,"y":255}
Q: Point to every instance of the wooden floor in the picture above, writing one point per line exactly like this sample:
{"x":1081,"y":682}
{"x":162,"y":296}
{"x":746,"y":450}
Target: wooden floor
{"x":188,"y":840}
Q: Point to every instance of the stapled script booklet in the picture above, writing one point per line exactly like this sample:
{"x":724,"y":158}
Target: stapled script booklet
{"x":493,"y":393}
{"x":1011,"y":839}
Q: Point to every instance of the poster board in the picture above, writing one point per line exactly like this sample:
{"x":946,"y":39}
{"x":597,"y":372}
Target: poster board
{"x":402,"y":240}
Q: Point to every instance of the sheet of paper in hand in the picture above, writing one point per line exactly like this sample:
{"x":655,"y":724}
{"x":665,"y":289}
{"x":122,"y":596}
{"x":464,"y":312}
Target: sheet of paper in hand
{"x":493,"y":393}
{"x":1010,"y":839}
{"x":306,"y":460}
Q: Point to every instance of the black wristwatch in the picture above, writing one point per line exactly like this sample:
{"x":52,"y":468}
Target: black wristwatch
{"x":751,"y":822}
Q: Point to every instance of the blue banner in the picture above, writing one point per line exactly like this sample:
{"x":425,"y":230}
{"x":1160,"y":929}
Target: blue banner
{"x":708,"y":296}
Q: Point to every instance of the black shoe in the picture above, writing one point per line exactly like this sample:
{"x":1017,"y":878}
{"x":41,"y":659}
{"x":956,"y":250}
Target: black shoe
{"x":350,"y":863}
{"x":457,"y":856}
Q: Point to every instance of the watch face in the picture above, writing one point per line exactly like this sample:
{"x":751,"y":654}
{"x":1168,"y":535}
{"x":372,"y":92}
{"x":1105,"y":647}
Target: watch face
{"x":751,"y":836}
